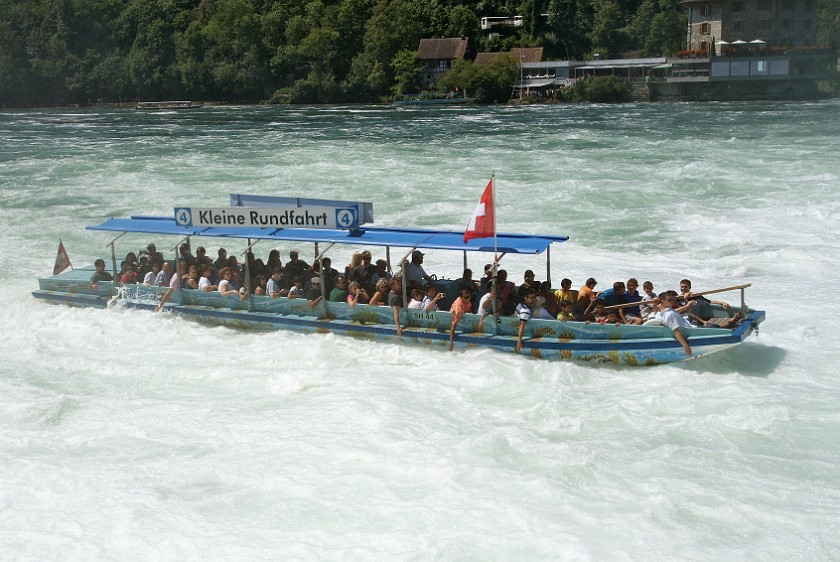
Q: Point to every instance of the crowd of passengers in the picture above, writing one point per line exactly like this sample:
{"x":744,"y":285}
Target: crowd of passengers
{"x":364,"y":281}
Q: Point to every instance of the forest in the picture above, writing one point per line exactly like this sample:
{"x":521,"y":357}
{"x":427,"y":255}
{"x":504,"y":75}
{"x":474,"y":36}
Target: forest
{"x":65,"y":52}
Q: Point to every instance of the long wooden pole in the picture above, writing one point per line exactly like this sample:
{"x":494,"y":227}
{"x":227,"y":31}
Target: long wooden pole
{"x":692,"y":294}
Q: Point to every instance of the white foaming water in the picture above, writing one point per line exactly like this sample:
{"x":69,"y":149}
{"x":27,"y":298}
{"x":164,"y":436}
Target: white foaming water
{"x":137,"y":436}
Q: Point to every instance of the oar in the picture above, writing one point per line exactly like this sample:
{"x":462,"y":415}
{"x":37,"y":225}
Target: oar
{"x":723,"y":290}
{"x":697,"y":294}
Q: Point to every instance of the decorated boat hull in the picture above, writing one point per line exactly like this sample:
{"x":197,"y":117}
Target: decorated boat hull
{"x":544,"y":339}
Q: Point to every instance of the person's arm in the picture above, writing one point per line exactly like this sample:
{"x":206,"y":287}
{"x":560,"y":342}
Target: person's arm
{"x":313,"y":302}
{"x":455,"y":318}
{"x":680,"y":338}
{"x":519,"y":336}
{"x":164,"y":298}
{"x":433,"y":302}
{"x":396,"y":311}
{"x":376,"y":300}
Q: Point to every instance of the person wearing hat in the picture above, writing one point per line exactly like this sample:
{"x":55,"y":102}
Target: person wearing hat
{"x":314,"y":296}
{"x":415,"y":275}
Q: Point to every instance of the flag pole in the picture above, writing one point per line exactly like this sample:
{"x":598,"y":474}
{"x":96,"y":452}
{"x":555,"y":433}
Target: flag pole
{"x":495,"y":257}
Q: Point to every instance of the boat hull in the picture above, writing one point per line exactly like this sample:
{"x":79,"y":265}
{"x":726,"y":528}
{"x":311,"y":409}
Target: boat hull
{"x":544,"y":339}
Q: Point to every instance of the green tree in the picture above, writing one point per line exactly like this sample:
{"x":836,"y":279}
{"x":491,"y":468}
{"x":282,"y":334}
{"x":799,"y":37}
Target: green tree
{"x":408,"y":72}
{"x":607,"y":33}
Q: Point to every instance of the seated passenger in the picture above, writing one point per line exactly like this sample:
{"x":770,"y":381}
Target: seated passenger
{"x":486,"y":306}
{"x":297,"y":289}
{"x":339,"y":293}
{"x":294,"y":267}
{"x":672,"y":319}
{"x":631,"y":314}
{"x":151,"y":275}
{"x":696,"y":300}
{"x":528,"y":285}
{"x":594,"y":312}
{"x":356,"y":294}
{"x":565,"y":292}
{"x":260,"y":285}
{"x":430,"y":300}
{"x":380,"y":297}
{"x":416,"y":299}
{"x":100,"y":274}
{"x":523,"y":312}
{"x":381,"y":272}
{"x":162,"y":279}
{"x":222,"y":260}
{"x":545,"y":305}
{"x":225,"y":288}
{"x":202,"y":258}
{"x":414,"y":272}
{"x":204,"y":283}
{"x":565,"y":313}
{"x":460,"y":306}
{"x":192,"y":278}
{"x":314,"y":296}
{"x":586,"y":296}
{"x":649,"y":309}
{"x":614,"y":295}
{"x":506,"y":293}
{"x":395,"y":301}
{"x":466,"y":282}
{"x":330,"y":275}
{"x":129,"y":275}
{"x":363,"y":272}
{"x":274,"y":286}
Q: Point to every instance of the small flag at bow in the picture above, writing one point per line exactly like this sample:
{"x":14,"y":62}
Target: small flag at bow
{"x":62,"y":260}
{"x":483,"y":221}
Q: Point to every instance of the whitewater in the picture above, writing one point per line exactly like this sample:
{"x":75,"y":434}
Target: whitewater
{"x":127,"y":435}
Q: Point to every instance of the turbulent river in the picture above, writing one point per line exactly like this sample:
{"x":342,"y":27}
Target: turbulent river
{"x":133,"y":436}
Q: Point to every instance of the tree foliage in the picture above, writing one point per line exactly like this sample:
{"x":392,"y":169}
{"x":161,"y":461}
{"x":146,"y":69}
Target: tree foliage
{"x":55,"y":52}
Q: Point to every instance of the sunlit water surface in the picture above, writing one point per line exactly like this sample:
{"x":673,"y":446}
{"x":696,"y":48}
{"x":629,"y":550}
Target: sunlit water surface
{"x":127,"y":435}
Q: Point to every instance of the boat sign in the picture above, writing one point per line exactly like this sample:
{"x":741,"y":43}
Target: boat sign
{"x":268,"y":217}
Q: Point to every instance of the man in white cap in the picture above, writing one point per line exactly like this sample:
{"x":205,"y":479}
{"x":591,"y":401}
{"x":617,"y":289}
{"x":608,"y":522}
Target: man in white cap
{"x":414,"y":273}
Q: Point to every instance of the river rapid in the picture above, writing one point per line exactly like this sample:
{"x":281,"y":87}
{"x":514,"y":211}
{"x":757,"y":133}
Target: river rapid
{"x":134,"y":436}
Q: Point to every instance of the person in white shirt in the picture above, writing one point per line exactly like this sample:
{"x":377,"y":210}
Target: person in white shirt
{"x":673,"y":319}
{"x":204,"y":283}
{"x":225,"y":287}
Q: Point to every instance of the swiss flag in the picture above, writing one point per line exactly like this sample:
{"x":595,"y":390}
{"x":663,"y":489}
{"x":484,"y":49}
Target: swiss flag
{"x":483,"y":222}
{"x":62,"y":260}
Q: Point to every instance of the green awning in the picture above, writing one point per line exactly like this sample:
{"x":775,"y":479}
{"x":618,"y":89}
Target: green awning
{"x":666,"y":65}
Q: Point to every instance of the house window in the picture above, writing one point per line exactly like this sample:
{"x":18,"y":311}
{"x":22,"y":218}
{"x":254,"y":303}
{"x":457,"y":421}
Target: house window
{"x":764,"y":5}
{"x":704,"y":46}
{"x":764,"y":24}
{"x":738,"y":6}
{"x":737,"y":26}
{"x":789,"y":5}
{"x":806,"y":24}
{"x":809,"y":5}
{"x":705,"y":28}
{"x":705,"y":9}
{"x":786,"y":25}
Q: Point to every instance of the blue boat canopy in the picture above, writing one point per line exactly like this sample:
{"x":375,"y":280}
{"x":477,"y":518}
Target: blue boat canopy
{"x":366,"y":236}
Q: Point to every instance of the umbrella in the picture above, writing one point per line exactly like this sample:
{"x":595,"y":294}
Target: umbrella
{"x":722,"y":42}
{"x":739,"y":42}
{"x":757,"y":42}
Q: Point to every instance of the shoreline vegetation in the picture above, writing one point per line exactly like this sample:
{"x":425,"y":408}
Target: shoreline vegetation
{"x":73,"y":52}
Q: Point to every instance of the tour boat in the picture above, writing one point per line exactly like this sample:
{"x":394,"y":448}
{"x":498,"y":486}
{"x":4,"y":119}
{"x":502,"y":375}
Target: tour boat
{"x":545,"y":339}
{"x":166,"y":105}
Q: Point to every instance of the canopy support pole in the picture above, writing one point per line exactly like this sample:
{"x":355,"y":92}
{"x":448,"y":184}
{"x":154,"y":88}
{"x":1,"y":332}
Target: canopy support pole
{"x":320,"y":259}
{"x":548,"y":264}
{"x":114,"y":252}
